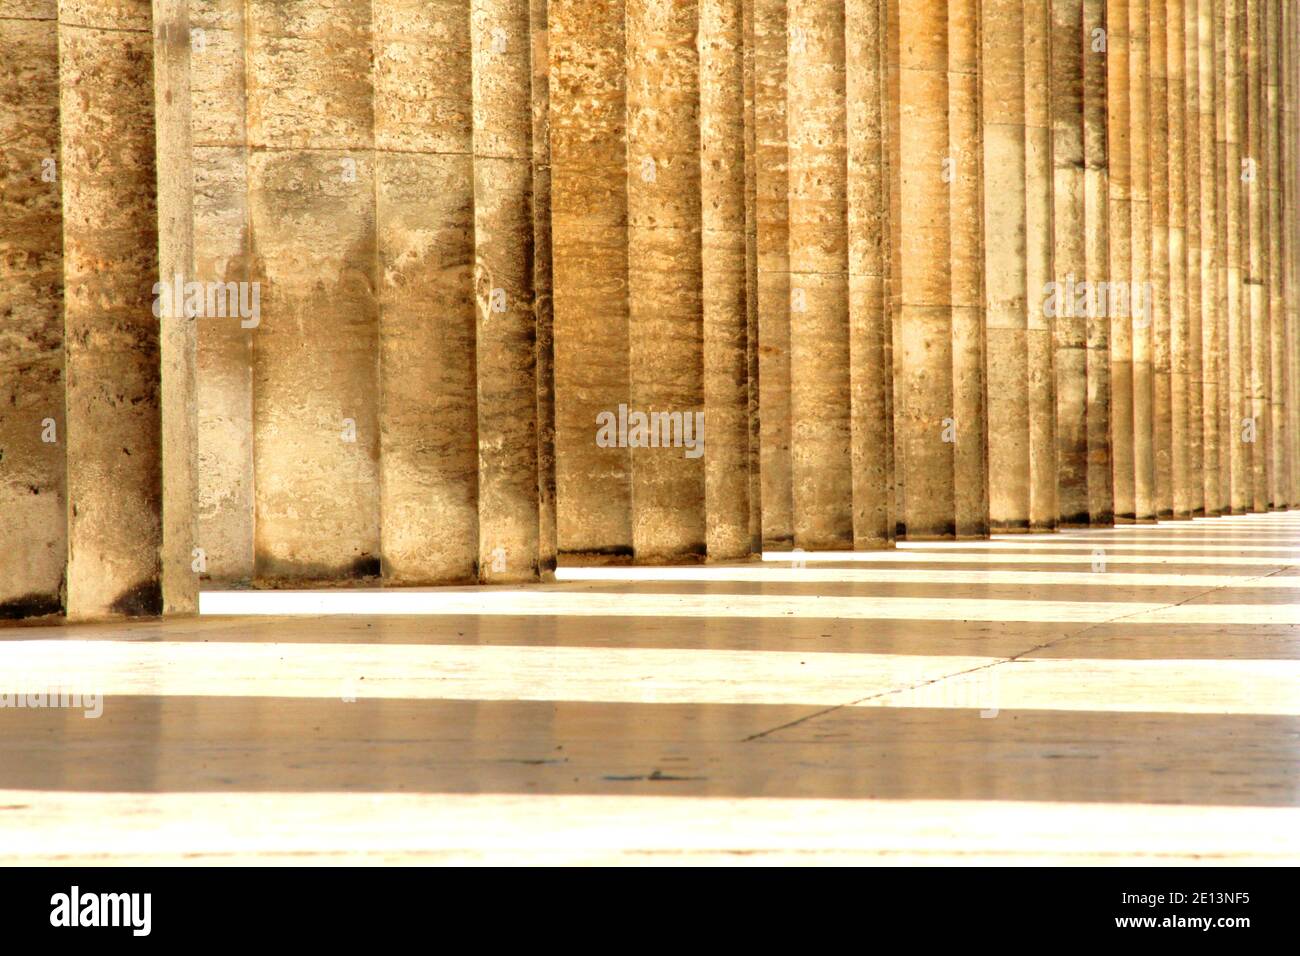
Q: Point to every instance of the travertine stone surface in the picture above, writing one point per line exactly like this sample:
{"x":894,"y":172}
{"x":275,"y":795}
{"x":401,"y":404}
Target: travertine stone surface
{"x":32,"y":501}
{"x":589,"y":218}
{"x":966,"y":215}
{"x":1256,"y":271}
{"x":1070,"y":260}
{"x":1161,"y":145}
{"x":1189,"y":488}
{"x":1119,"y":136}
{"x":820,"y":393}
{"x":725,"y":274}
{"x":1211,"y":255}
{"x":1140,"y":263}
{"x":772,"y":213}
{"x":1223,"y":417}
{"x":1237,"y":312}
{"x":543,"y":287}
{"x":1041,"y":345}
{"x":1005,"y":260}
{"x":312,"y":204}
{"x":1279,"y":477}
{"x":424,"y":209}
{"x":1171,"y":359}
{"x":178,"y":335}
{"x":665,"y":309}
{"x":872,"y":465}
{"x":1096,"y":227}
{"x":222,"y":253}
{"x":110,"y":264}
{"x":503,"y":289}
{"x":922,"y":271}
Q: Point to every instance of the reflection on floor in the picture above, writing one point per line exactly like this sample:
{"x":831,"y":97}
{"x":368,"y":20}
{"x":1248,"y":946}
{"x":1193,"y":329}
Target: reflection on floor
{"x":1127,"y":695}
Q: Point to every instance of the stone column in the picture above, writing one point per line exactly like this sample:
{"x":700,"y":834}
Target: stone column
{"x":1239,"y":450}
{"x":1005,"y":251}
{"x":589,"y":170}
{"x":111,"y":336}
{"x":921,"y":269}
{"x":503,"y":286}
{"x":33,"y":432}
{"x":222,"y":253}
{"x":312,"y":205}
{"x":1141,"y":135}
{"x":819,"y":283}
{"x":1039,"y":277}
{"x":1279,"y":476}
{"x":1211,"y":254}
{"x":543,"y":287}
{"x":1257,"y":298}
{"x":1191,"y":486}
{"x":178,"y":335}
{"x":725,"y":286}
{"x":1171,"y":363}
{"x":425,"y":232}
{"x":772,"y":207}
{"x":1160,"y":143}
{"x":867,"y":227}
{"x":1120,"y":133}
{"x":966,"y":214}
{"x":665,"y":333}
{"x":1096,"y":218}
{"x":1070,"y":261}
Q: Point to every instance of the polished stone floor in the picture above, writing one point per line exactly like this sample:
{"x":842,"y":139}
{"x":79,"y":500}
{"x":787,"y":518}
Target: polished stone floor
{"x":1127,"y":695}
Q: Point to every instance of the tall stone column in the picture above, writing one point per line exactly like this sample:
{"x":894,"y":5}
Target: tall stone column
{"x":1160,"y":143}
{"x":1279,"y":477}
{"x":33,"y":430}
{"x":589,"y":182}
{"x":1257,"y":297}
{"x":772,"y":206}
{"x":1238,"y":313}
{"x":503,"y":287}
{"x":1070,"y":261}
{"x":222,"y":253}
{"x":312,"y":205}
{"x":1191,"y":485}
{"x":1120,"y":132}
{"x":1039,"y":278}
{"x":1290,"y":90}
{"x":966,"y":215}
{"x":819,"y":283}
{"x":1223,"y":284}
{"x":1172,"y":365}
{"x":543,"y":288}
{"x":1005,"y":263}
{"x":425,"y":246}
{"x":1211,"y":254}
{"x":725,"y":285}
{"x":665,"y":330}
{"x":921,"y":269}
{"x":178,"y":335}
{"x":1096,"y":218}
{"x":111,"y":336}
{"x":1141,"y":135}
{"x":867,"y":250}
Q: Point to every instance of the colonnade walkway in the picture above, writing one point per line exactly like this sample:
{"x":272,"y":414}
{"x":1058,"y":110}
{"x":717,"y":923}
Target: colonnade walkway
{"x":1118,"y":695}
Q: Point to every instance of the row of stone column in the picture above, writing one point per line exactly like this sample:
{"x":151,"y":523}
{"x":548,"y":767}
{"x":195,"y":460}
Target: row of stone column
{"x":358,"y":387}
{"x":629,"y":281}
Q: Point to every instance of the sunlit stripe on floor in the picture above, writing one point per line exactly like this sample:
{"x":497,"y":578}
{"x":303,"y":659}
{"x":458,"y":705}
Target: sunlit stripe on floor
{"x":209,"y":828}
{"x":1014,"y":557}
{"x":814,"y":575}
{"x":649,"y":675}
{"x":606,"y":603}
{"x":1282,"y":553}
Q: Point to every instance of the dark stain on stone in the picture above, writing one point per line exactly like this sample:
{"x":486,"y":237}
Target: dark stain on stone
{"x":143,"y":600}
{"x":366,"y":566}
{"x":30,"y":605}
